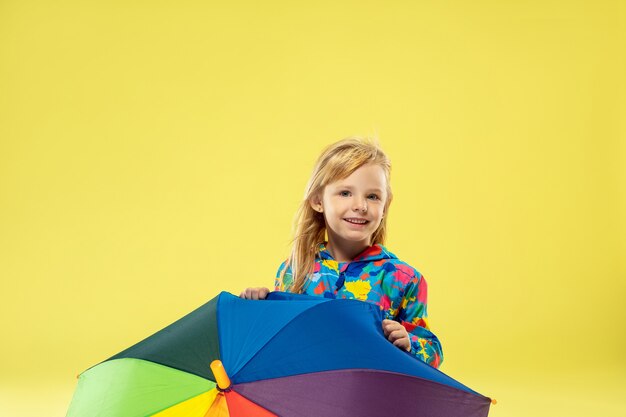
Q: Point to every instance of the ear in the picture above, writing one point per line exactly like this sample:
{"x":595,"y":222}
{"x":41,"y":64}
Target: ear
{"x":316,"y":203}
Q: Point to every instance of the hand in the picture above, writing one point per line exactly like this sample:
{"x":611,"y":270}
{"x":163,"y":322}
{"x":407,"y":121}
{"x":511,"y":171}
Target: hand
{"x":257,"y":293}
{"x":397,"y":334}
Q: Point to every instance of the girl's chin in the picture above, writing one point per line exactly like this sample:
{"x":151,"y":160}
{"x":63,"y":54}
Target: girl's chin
{"x":357,"y":238}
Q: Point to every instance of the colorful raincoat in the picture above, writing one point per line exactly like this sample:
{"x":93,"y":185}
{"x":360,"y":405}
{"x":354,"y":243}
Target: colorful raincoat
{"x":376,"y":276}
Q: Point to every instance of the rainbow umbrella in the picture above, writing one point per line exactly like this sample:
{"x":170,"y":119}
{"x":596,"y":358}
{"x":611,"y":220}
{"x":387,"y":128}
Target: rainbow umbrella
{"x":285,"y":356}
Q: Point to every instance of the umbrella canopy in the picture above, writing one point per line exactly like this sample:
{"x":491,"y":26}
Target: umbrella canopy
{"x":288,"y":355}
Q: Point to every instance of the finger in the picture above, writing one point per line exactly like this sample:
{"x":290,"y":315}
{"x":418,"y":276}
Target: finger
{"x":387,"y":327}
{"x":263,"y":293}
{"x":397,"y":335}
{"x":403,"y":343}
{"x":250,"y":293}
{"x":255,"y":293}
{"x":391,"y":325}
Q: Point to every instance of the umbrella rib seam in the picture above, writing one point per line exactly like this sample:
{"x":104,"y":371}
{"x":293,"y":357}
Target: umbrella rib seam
{"x":272,"y":338}
{"x":175,"y":404}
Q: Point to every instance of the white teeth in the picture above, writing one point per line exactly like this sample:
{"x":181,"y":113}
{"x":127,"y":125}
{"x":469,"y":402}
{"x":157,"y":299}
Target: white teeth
{"x":356,"y":221}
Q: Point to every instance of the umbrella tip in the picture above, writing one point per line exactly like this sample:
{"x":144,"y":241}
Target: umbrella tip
{"x":493,"y":401}
{"x":222,"y":379}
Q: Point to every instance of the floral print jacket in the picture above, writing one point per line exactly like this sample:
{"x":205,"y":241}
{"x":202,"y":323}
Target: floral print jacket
{"x":376,"y":276}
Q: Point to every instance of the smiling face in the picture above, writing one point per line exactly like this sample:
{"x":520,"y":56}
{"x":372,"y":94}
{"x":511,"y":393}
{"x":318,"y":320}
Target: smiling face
{"x":353,"y":208}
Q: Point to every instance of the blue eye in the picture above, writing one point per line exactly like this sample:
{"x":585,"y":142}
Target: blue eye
{"x":373,"y":197}
{"x":344,"y":193}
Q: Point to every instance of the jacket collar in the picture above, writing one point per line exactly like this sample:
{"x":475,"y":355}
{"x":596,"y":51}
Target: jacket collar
{"x":371,"y":253}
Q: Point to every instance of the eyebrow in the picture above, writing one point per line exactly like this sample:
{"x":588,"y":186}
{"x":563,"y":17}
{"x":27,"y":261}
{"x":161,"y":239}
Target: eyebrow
{"x":349,"y":187}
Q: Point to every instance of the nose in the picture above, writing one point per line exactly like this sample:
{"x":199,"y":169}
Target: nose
{"x":360,"y":205}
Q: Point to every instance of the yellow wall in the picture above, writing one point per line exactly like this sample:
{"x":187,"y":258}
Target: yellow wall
{"x":153,"y":154}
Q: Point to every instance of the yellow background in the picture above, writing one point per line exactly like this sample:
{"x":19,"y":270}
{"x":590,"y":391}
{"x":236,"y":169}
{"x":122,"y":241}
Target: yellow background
{"x":153,"y":154}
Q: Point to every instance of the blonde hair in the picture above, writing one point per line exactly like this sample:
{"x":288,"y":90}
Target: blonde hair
{"x":337,"y":161}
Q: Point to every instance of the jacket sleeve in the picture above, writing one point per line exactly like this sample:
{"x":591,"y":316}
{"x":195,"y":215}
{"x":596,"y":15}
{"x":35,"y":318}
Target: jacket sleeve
{"x":283,"y":284}
{"x":413,"y":316}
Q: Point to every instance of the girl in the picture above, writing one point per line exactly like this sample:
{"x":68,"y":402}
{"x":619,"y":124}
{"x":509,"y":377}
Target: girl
{"x":347,"y":199}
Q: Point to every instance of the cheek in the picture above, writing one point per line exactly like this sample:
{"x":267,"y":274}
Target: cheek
{"x":380,"y":219}
{"x":379,"y":211}
{"x":327,"y":202}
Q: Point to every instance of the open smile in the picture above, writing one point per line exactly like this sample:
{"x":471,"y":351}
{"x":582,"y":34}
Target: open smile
{"x":356,"y":221}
